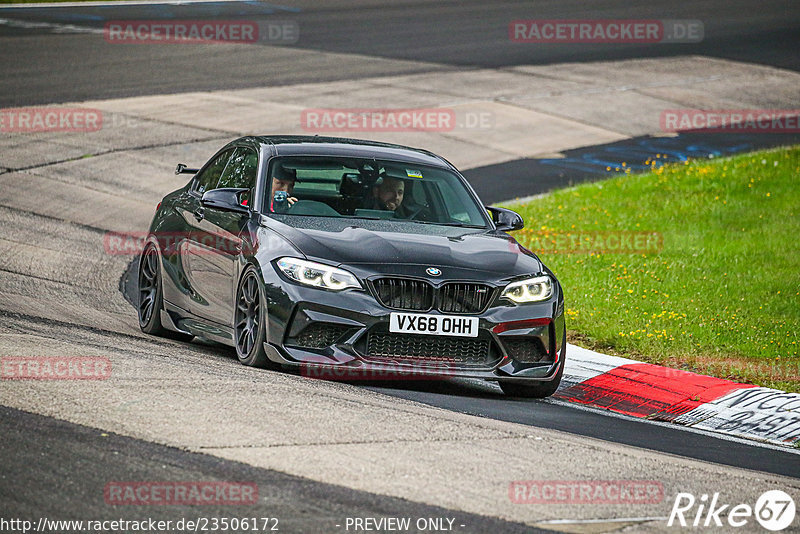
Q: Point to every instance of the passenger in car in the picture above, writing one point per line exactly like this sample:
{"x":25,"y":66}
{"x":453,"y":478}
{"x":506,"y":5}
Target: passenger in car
{"x":283,"y":181}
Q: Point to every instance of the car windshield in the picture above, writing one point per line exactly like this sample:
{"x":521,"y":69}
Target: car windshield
{"x":370,"y":189}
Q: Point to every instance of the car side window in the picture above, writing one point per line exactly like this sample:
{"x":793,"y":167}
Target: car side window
{"x":241,"y":172}
{"x":208,"y":179}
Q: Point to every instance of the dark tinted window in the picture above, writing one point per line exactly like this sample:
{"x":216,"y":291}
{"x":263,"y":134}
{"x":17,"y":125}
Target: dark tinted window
{"x":208,"y":178}
{"x":374,"y":189}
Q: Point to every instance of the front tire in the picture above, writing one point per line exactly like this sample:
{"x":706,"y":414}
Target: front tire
{"x":150,"y":299}
{"x":249,"y":321}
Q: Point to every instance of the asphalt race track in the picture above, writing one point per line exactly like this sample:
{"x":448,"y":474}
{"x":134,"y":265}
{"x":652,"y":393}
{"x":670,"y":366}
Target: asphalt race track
{"x":72,"y":456}
{"x":42,"y":65}
{"x":322,"y":452}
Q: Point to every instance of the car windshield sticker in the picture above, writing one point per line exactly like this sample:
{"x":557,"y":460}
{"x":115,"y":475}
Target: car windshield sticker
{"x":413,"y":174}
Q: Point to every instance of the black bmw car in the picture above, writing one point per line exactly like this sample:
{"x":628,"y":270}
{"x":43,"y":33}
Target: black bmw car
{"x":353,"y":257}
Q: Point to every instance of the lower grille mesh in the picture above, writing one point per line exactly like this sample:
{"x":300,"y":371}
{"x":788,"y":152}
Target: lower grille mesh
{"x":526,"y":350}
{"x":457,"y":350}
{"x":320,"y":335}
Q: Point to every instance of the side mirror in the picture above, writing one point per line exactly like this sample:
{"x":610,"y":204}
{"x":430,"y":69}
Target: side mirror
{"x":506,"y":219}
{"x":225,"y":198}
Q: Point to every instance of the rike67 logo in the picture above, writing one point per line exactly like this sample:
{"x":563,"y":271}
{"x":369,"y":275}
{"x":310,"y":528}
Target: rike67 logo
{"x":774,"y":510}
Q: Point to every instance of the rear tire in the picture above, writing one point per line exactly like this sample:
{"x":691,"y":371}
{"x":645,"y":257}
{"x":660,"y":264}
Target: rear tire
{"x":249,"y":321}
{"x":150,"y":301}
{"x":533,"y":391}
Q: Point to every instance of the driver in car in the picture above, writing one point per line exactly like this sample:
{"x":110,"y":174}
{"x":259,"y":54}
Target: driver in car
{"x":388,"y":195}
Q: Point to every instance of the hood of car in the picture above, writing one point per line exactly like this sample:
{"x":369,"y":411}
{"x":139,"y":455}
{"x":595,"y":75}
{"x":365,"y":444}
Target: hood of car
{"x":456,"y":252}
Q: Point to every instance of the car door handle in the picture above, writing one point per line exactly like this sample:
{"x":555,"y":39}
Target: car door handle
{"x":199,"y":213}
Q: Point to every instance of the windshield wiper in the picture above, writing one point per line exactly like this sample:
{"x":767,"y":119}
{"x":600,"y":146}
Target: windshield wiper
{"x":457,"y":225}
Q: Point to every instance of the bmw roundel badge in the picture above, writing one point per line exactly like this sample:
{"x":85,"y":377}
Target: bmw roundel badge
{"x":433,"y":271}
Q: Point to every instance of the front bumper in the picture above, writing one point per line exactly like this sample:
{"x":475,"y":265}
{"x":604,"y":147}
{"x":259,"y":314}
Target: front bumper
{"x":346,"y":335}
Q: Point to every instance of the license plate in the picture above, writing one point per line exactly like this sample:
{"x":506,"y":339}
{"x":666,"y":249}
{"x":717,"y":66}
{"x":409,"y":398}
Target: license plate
{"x":419,"y":323}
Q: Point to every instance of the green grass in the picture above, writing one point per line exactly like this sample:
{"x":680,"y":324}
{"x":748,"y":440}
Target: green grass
{"x":721,"y":297}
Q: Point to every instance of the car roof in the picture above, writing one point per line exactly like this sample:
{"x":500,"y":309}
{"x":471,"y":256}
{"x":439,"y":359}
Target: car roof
{"x":307,"y":145}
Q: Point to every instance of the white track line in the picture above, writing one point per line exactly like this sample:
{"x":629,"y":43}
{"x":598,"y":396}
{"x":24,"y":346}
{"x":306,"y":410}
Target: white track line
{"x":595,"y":521}
{"x":58,"y":28}
{"x":134,"y":3}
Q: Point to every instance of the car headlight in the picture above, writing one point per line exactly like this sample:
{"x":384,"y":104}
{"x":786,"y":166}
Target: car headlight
{"x":317,"y":275}
{"x":533,"y":289}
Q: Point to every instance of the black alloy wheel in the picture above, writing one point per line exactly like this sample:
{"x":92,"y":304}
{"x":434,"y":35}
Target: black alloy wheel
{"x":249,"y":327}
{"x":150,"y":299}
{"x":149,"y":290}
